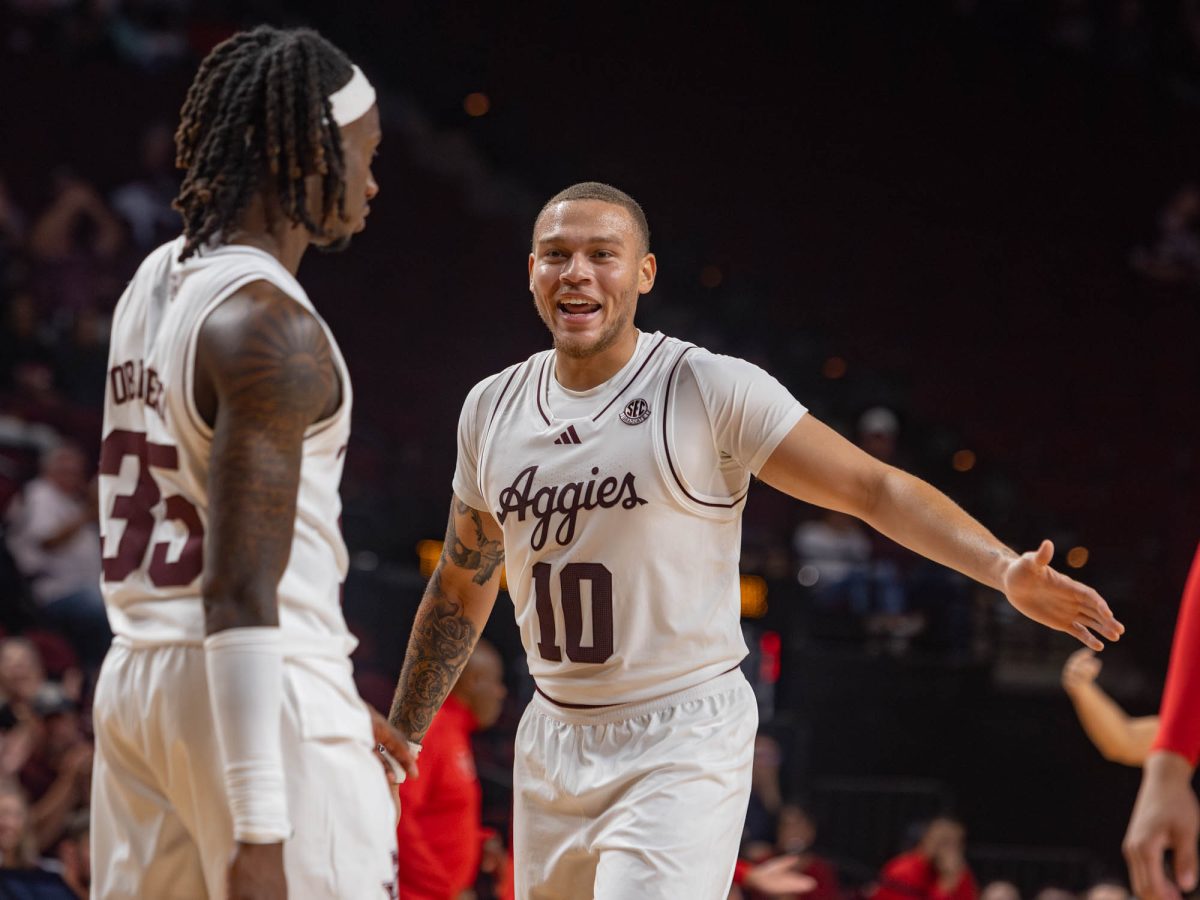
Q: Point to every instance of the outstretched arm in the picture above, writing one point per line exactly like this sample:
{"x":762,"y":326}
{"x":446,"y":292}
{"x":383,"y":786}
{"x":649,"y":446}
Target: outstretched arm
{"x":815,"y":464}
{"x":1119,"y":737}
{"x":456,"y":606}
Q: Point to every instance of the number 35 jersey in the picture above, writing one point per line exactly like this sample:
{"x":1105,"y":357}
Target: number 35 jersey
{"x":154,"y":462}
{"x":621,"y":511}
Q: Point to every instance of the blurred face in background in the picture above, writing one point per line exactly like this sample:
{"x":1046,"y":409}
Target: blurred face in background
{"x":13,"y":816}
{"x":481,"y":685}
{"x":66,"y":469}
{"x":795,"y":832}
{"x":21,"y":672}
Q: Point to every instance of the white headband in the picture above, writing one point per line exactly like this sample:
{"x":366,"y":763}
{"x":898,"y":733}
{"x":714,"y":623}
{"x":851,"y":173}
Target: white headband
{"x":353,"y":100}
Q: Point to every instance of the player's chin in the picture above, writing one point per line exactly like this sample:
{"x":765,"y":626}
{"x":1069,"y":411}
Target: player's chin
{"x":335,"y":244}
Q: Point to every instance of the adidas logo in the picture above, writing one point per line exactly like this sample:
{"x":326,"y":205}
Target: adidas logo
{"x":568,"y":437}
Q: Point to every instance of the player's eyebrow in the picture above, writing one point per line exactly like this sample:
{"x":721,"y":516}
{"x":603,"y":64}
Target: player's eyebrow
{"x":557,"y":238}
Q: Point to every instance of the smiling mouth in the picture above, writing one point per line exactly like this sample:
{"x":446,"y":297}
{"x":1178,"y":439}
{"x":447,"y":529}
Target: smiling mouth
{"x":572,"y":307}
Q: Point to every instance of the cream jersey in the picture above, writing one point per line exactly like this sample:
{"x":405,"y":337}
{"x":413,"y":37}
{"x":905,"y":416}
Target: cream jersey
{"x":154,"y":462}
{"x":621,"y":511}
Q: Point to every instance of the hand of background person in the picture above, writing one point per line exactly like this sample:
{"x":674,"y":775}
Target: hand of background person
{"x":1080,"y":670}
{"x":256,"y":873}
{"x":778,"y":877}
{"x":1165,"y":817}
{"x":1056,"y":601}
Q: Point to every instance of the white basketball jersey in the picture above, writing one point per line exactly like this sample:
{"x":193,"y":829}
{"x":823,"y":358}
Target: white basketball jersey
{"x":621,"y":548}
{"x":154,"y":462}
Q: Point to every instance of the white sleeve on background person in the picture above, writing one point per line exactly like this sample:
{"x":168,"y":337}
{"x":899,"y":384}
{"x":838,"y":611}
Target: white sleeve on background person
{"x":471,"y":422}
{"x":729,"y":415}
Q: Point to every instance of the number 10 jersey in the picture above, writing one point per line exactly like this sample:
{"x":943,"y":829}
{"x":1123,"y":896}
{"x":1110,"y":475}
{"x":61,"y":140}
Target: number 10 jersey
{"x":154,"y":462}
{"x":621,"y":511}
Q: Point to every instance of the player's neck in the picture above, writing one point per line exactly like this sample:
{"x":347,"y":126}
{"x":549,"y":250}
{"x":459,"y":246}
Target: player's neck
{"x":584,"y":373}
{"x":276,"y":235}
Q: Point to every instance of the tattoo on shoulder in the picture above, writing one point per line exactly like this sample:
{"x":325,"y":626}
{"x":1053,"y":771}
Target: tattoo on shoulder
{"x":441,"y":643}
{"x":484,"y":558}
{"x":284,"y":360}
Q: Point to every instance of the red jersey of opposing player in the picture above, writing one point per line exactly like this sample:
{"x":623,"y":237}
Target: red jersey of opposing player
{"x":1179,"y":730}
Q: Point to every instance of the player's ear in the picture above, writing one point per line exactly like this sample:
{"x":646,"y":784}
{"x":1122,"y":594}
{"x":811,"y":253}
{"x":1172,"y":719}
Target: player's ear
{"x":647,"y":272}
{"x":531,"y":271}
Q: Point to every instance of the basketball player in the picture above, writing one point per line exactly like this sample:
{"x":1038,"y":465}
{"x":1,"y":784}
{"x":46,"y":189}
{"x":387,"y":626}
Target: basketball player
{"x":610,"y":472}
{"x":231,"y":745}
{"x":1166,"y":815}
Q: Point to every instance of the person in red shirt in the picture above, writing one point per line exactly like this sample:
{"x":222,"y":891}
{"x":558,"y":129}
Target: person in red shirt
{"x":935,"y":870}
{"x":440,"y":837}
{"x":1166,"y":814}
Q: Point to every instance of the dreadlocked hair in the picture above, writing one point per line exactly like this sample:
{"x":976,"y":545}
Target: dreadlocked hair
{"x":257,"y":115}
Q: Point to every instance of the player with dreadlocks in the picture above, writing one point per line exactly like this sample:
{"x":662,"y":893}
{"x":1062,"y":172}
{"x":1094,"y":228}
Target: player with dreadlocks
{"x":234,"y":758}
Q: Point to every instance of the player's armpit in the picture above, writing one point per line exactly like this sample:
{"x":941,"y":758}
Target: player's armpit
{"x":264,"y":369}
{"x":456,"y":606}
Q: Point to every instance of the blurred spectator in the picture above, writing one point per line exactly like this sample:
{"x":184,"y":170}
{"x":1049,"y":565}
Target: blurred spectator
{"x":834,"y":552}
{"x":779,"y":877}
{"x":1054,"y":893}
{"x":878,"y":433}
{"x":18,"y":849}
{"x":795,"y":836}
{"x":81,"y":360}
{"x":58,"y":774}
{"x":21,"y":338}
{"x":145,"y":202}
{"x":12,"y":228}
{"x":936,"y":869}
{"x":765,"y":798}
{"x":150,"y":34}
{"x":71,"y":243}
{"x":1107,"y":890}
{"x":440,"y":837}
{"x":74,"y":855}
{"x":55,"y":541}
{"x":1119,"y":737}
{"x":1000,"y":890}
{"x":22,"y":677}
{"x":1174,"y":258}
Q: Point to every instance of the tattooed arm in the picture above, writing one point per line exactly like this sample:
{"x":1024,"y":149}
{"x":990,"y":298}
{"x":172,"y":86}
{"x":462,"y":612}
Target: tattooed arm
{"x":264,"y":373}
{"x":456,"y":605}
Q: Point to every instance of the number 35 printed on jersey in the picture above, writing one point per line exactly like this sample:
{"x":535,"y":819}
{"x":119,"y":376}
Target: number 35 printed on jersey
{"x":141,"y":513}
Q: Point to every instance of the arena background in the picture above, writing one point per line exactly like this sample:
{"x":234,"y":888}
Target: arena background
{"x":951,"y":209}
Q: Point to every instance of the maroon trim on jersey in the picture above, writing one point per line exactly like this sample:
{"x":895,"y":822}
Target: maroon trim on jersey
{"x":667,"y":445}
{"x":645,"y":362}
{"x":500,"y":399}
{"x":541,"y":375}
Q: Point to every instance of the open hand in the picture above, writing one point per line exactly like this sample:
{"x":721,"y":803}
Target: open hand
{"x":1056,"y":601}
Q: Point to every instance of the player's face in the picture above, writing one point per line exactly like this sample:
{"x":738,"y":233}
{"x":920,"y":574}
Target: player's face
{"x":586,"y":272}
{"x":360,"y":143}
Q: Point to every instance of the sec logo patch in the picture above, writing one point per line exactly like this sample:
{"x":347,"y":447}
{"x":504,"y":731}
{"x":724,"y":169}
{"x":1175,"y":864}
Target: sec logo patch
{"x":635,"y":412}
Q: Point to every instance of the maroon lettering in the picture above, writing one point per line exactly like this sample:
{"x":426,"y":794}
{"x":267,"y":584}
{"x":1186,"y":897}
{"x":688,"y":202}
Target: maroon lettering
{"x":547,"y":648}
{"x":137,"y":510}
{"x":119,"y":393}
{"x":570,"y":585}
{"x":566,"y":501}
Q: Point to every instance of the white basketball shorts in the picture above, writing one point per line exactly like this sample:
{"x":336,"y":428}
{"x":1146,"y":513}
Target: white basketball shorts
{"x":161,"y":827}
{"x":643,"y":800}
